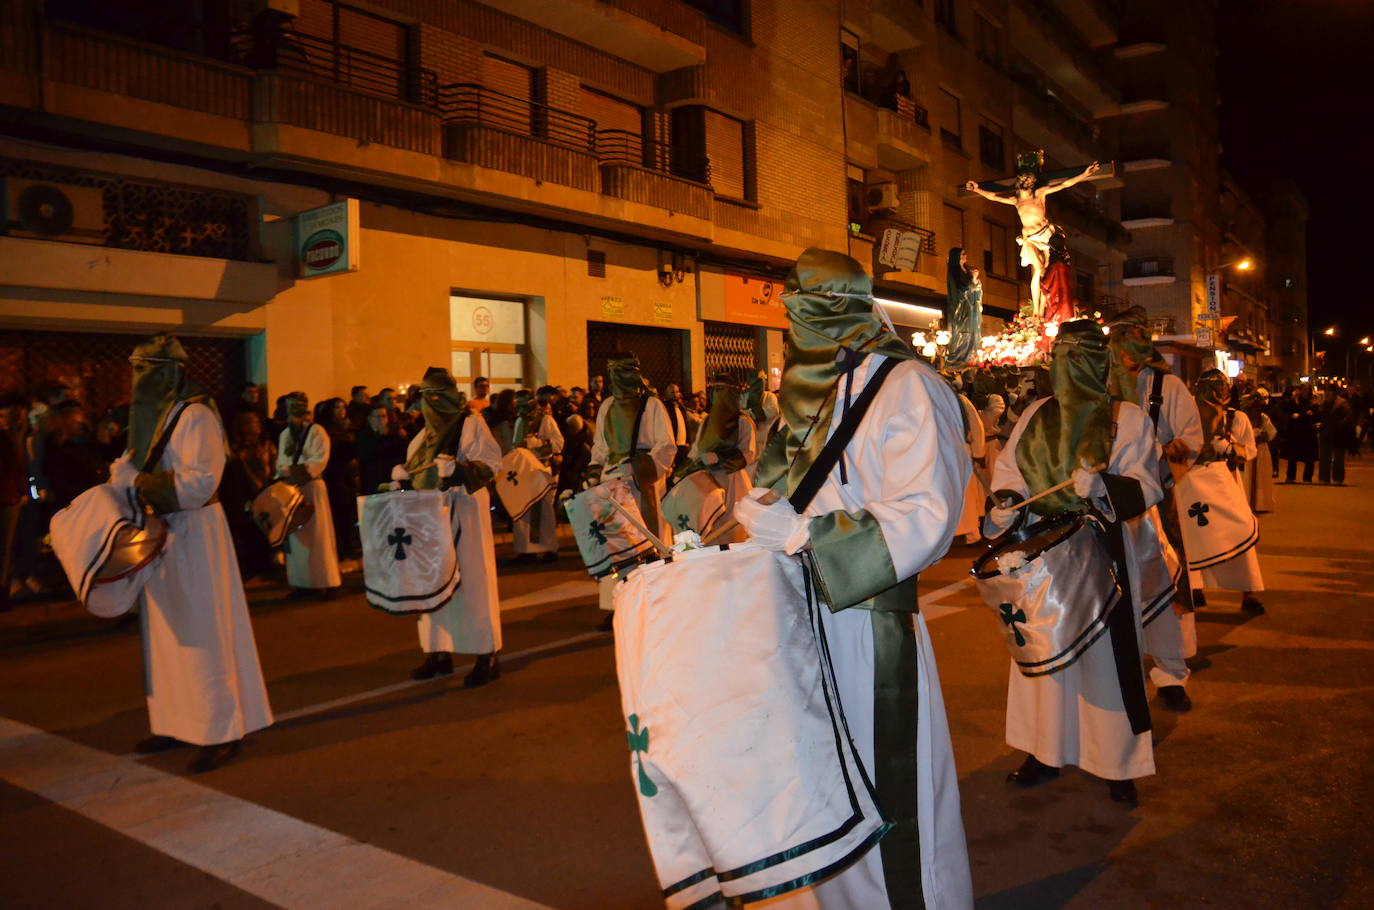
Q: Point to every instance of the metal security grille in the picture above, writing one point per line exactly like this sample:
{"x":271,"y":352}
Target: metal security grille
{"x":158,"y":217}
{"x":731,"y":348}
{"x":659,"y":351}
{"x":96,"y":365}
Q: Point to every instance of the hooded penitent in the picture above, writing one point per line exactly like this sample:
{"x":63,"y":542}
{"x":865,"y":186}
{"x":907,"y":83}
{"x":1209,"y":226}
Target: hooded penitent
{"x":1075,"y":425}
{"x":1132,"y":351}
{"x":1211,"y":394}
{"x":442,"y":405}
{"x":751,"y":401}
{"x":298,"y":410}
{"x":719,"y":432}
{"x":627,"y":389}
{"x":830,"y":309}
{"x":159,"y":382}
{"x":528,"y":411}
{"x":964,"y":310}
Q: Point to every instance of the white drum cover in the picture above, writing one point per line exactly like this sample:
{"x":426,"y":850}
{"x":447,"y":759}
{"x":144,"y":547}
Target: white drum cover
{"x":279,"y":510}
{"x":1215,"y":519}
{"x":1160,"y":569}
{"x":108,"y":547}
{"x":749,"y":784}
{"x":695,"y":503}
{"x":606,"y":539}
{"x":522,"y":481}
{"x":410,"y":560}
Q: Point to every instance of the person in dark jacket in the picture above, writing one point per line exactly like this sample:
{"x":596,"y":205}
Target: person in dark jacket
{"x":341,"y":475}
{"x":381,"y":446}
{"x":1299,"y":433}
{"x":72,"y":460}
{"x":1335,"y":435}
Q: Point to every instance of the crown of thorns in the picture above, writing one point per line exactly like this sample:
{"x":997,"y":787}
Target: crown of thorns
{"x":1030,"y":162}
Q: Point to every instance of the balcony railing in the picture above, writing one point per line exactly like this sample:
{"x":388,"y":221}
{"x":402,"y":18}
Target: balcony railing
{"x":470,"y":103}
{"x":1153,"y":267}
{"x":879,"y":223}
{"x":626,"y":147}
{"x":347,"y":67}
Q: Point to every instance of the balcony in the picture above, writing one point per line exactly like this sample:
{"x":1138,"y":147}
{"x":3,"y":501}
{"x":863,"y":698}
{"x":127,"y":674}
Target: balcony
{"x":642,"y":170}
{"x":1053,"y":45}
{"x":659,"y":35}
{"x":903,"y":137}
{"x":1144,"y":98}
{"x":494,"y":130}
{"x":1148,"y":270}
{"x":1098,"y":20}
{"x":1143,"y":217}
{"x":1050,"y":124}
{"x":1090,"y":222}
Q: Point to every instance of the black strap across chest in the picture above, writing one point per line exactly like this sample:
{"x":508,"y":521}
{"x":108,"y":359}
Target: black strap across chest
{"x":639,"y":420}
{"x":155,"y":453}
{"x":834,"y":447}
{"x":1157,"y":397}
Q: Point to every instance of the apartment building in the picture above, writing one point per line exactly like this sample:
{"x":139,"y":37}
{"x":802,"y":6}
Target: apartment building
{"x":536,"y":184}
{"x":1285,"y":213}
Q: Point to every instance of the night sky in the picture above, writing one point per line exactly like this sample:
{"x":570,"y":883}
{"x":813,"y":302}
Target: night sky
{"x":1297,"y":100}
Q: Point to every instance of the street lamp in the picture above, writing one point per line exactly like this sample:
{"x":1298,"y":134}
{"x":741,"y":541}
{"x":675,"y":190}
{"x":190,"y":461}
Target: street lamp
{"x":1330,"y":331}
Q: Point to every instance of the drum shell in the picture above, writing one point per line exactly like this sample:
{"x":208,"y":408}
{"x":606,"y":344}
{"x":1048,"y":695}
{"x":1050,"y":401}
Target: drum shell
{"x":410,"y":560}
{"x":108,"y":546}
{"x":522,"y":481}
{"x":1213,"y":516}
{"x":279,"y":510}
{"x":695,"y":503}
{"x":607,"y":540}
{"x":1054,"y":607}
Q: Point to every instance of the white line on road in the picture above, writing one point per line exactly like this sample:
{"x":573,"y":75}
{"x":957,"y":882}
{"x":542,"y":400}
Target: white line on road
{"x":565,"y":590}
{"x":276,"y":857}
{"x":940,"y":594}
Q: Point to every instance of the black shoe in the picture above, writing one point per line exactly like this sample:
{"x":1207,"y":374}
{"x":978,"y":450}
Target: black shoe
{"x":1123,"y":791}
{"x":156,"y":743}
{"x":487,"y":669}
{"x":1176,"y":698}
{"x":437,"y":663}
{"x":326,"y":593}
{"x":549,"y":557}
{"x":302,"y":593}
{"x":1032,"y":771}
{"x":523,"y":559}
{"x":1199,"y":599}
{"x":208,"y":758}
{"x":1250,"y":604}
{"x":607,"y":624}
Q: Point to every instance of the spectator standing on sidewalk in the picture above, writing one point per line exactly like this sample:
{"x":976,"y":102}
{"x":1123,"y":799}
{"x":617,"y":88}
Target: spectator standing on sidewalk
{"x":1335,"y":434}
{"x":1299,"y":432}
{"x":380,"y":447}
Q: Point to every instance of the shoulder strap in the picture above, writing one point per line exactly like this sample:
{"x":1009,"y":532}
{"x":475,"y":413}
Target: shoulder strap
{"x":834,"y":447}
{"x":300,"y":443}
{"x":1157,"y":397}
{"x":456,"y":444}
{"x":639,"y":419}
{"x":164,"y":439}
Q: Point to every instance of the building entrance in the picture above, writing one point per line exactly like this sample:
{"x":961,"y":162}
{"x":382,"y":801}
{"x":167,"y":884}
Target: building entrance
{"x":661,"y":352}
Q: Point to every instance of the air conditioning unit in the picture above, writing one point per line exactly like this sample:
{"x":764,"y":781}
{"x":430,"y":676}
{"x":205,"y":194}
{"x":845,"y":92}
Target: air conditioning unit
{"x":882,"y":197}
{"x":53,"y":211}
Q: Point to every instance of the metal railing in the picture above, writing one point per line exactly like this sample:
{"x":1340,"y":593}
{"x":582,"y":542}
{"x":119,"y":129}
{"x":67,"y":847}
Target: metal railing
{"x":879,"y":223}
{"x":627,"y":147}
{"x":1154,"y":266}
{"x":466,"y":102}
{"x":348,"y":67}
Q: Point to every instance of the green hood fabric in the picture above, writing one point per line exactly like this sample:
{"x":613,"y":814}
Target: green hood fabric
{"x":752,"y":399}
{"x":720,"y":431}
{"x":159,"y":382}
{"x":441,"y":404}
{"x":1073,"y":426}
{"x":1132,"y":351}
{"x":298,"y":410}
{"x":1212,"y":396}
{"x":627,"y":388}
{"x":830,"y":309}
{"x":528,"y":412}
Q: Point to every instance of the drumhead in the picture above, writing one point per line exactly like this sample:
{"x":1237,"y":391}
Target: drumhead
{"x":1034,"y":541}
{"x":133,"y":549}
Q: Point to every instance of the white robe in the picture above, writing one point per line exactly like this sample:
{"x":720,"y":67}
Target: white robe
{"x":971,"y":515}
{"x":204,"y":683}
{"x":655,"y":437}
{"x":1259,"y":471}
{"x":736,"y":483}
{"x":1243,"y":572}
{"x":1076,"y":716}
{"x":470,"y":623}
{"x":547,"y":542}
{"x":312,"y":559}
{"x":907,"y":466}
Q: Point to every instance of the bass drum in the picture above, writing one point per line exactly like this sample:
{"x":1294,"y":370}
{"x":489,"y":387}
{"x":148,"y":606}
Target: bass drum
{"x":1051,"y":588}
{"x":107,"y":546}
{"x":410,"y":558}
{"x":695,"y":503}
{"x":1215,"y":519}
{"x":607,"y":540}
{"x":522,"y":482}
{"x":279,"y":510}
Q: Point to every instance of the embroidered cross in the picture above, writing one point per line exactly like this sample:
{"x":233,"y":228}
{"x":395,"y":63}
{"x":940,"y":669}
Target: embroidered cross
{"x":1011,"y":618}
{"x":510,"y":478}
{"x":401,"y":539}
{"x":639,"y":742}
{"x":1199,"y":511}
{"x":598,"y":530}
{"x":684,"y":523}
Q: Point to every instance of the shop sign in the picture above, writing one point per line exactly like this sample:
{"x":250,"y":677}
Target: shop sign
{"x":613,"y":306}
{"x":1204,"y":336}
{"x":754,"y":301}
{"x":481,"y":319}
{"x":1213,"y":310}
{"x":663,"y":311}
{"x":326,"y":239}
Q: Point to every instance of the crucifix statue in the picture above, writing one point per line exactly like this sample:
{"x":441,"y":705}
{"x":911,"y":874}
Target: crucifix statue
{"x":1042,"y":242}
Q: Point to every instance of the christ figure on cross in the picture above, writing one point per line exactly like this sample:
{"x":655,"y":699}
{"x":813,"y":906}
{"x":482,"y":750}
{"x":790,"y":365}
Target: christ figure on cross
{"x":1028,"y":194}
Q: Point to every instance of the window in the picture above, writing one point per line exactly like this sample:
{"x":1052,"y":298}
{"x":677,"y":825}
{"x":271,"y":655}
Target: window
{"x":995,"y":255}
{"x":729,"y":13}
{"x":850,"y":69}
{"x":991,"y":148}
{"x":858,"y":199}
{"x":513,"y":108}
{"x":487,"y":338}
{"x":619,"y":129}
{"x":945,"y":16}
{"x":954,"y":225}
{"x":716,"y":147}
{"x":950,"y":130}
{"x":988,"y":43}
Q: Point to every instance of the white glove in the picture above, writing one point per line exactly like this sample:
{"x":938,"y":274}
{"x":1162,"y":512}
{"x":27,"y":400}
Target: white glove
{"x":1088,"y":484}
{"x":708,"y":458}
{"x":399,"y":474}
{"x":1002,"y":518}
{"x":532,"y":442}
{"x":122,"y":471}
{"x":1221,"y":446}
{"x":446,"y":464}
{"x":775,"y":525}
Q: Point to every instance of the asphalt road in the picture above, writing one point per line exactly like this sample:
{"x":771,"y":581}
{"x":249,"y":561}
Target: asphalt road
{"x":373,"y":792}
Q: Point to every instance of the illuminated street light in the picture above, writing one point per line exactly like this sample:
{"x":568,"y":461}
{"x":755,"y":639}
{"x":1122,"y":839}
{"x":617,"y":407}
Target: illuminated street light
{"x":1245,"y":265}
{"x":1330,"y":331}
{"x":1364,"y":340}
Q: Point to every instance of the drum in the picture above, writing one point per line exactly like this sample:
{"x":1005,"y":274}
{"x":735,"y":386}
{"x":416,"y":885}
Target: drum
{"x":1051,"y":588}
{"x":695,"y":503}
{"x":107,"y":545}
{"x":522,"y":481}
{"x":739,"y":750}
{"x":410,"y":559}
{"x":605,"y":538}
{"x":1215,"y":519}
{"x":1160,"y":570}
{"x":280,"y":509}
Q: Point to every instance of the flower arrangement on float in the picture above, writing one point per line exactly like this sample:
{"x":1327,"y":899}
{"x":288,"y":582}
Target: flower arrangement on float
{"x":1025,"y":342}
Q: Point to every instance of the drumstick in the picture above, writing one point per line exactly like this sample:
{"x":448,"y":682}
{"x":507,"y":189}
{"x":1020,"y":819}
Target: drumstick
{"x":1054,"y":489}
{"x":653,"y":538}
{"x":731,"y":523}
{"x":421,"y":469}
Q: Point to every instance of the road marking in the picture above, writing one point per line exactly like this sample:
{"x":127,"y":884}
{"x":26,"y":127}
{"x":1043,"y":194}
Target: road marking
{"x":458,"y":673}
{"x":281,"y":859}
{"x":565,"y":590}
{"x":940,"y":594}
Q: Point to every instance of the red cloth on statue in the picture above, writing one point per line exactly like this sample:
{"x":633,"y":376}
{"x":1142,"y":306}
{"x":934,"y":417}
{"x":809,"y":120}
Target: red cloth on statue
{"x":1056,"y":287}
